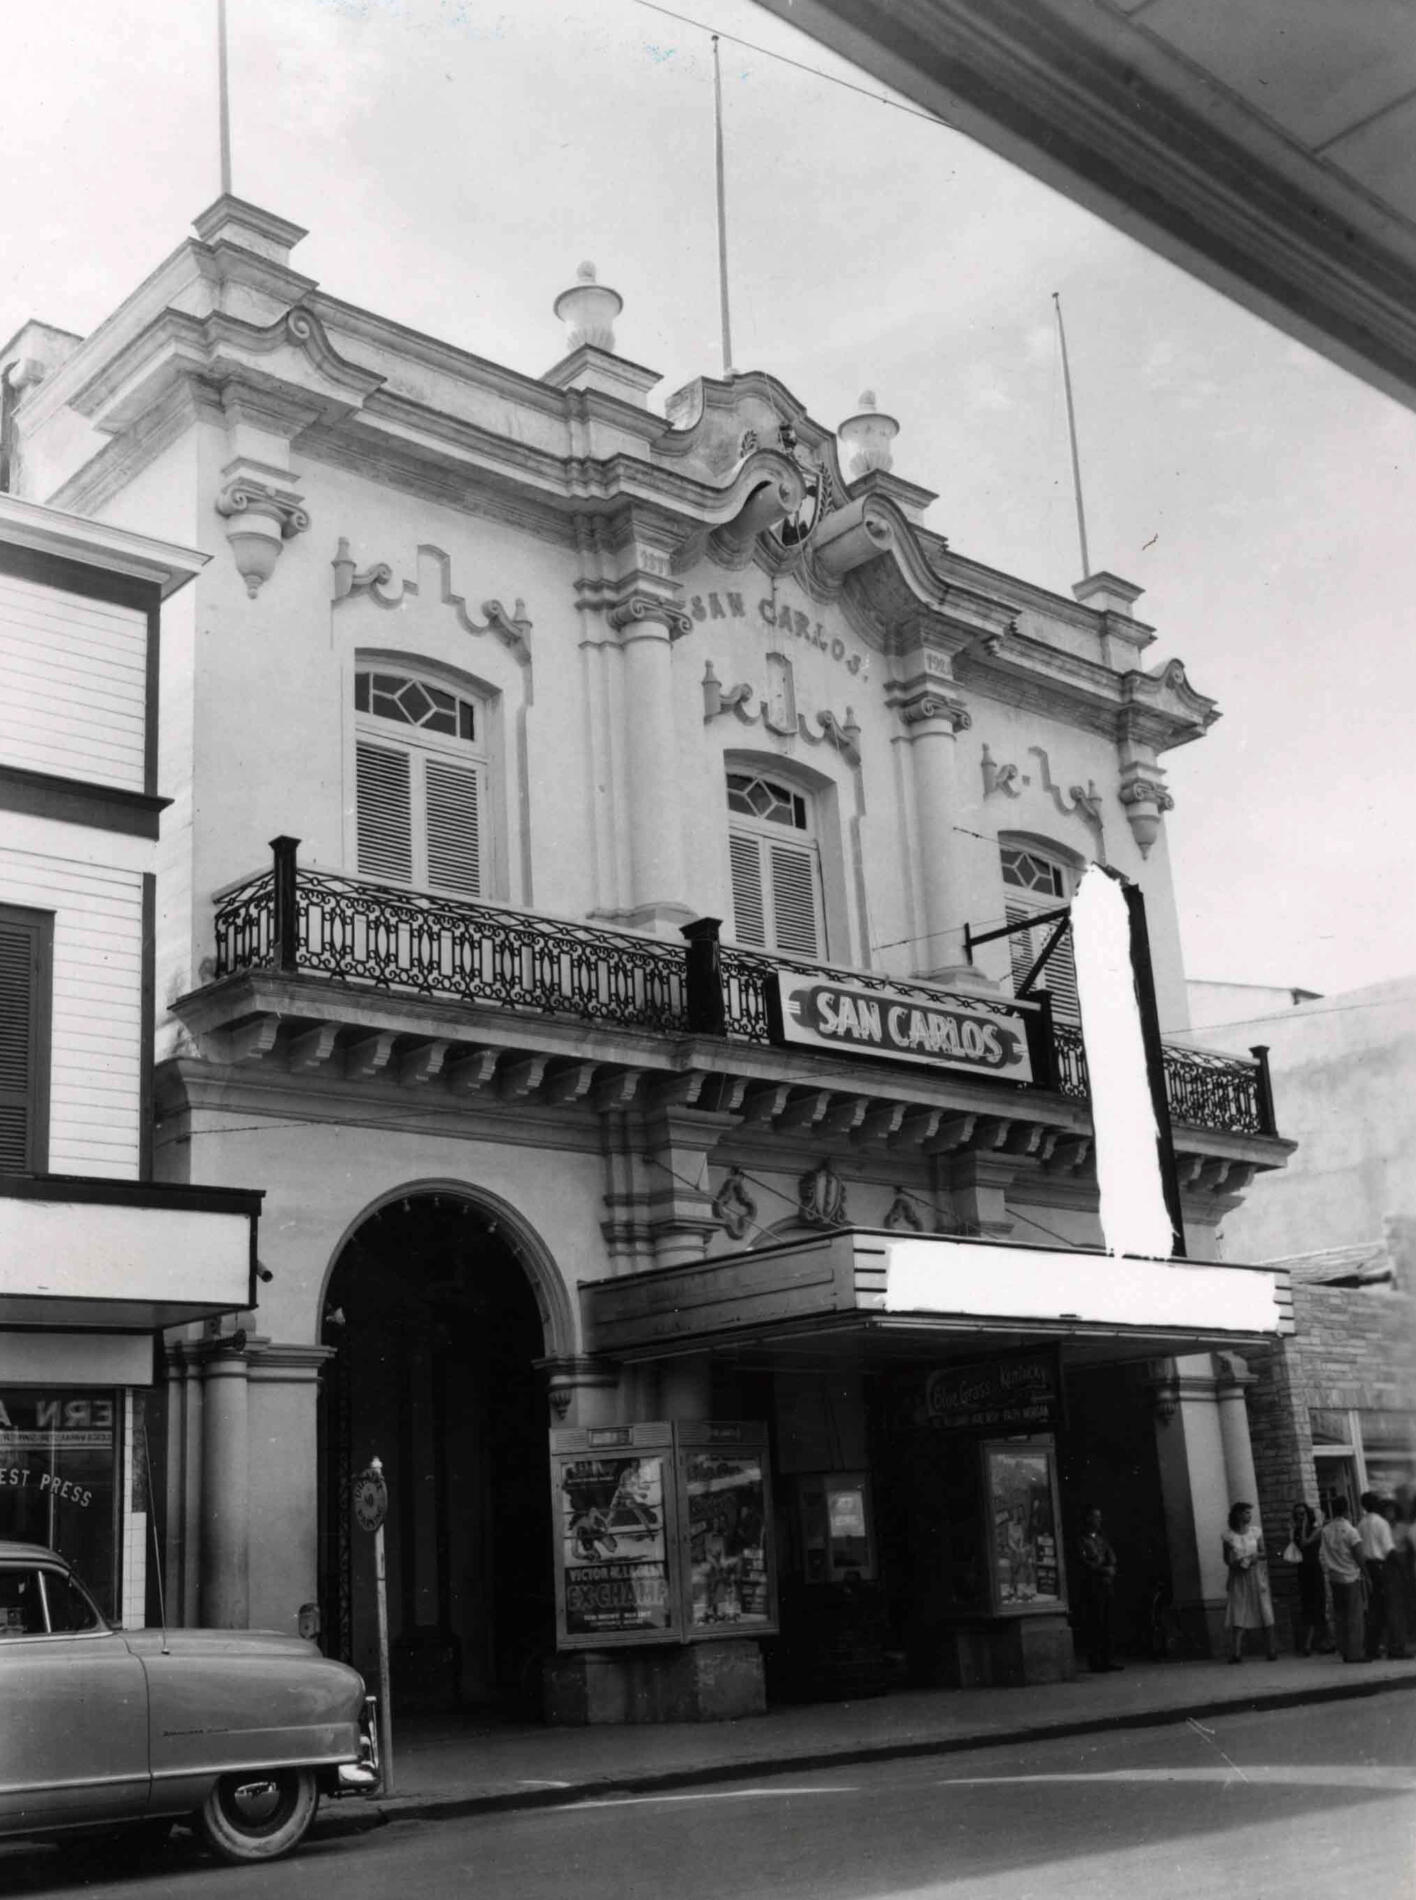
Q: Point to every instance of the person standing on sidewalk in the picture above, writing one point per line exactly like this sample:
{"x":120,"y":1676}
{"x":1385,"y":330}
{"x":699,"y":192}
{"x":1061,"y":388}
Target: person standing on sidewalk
{"x":1097,"y":1592}
{"x":1250,"y":1604}
{"x":1340,"y":1553}
{"x":1375,"y":1533}
{"x":1394,"y":1582}
{"x":1310,"y":1623}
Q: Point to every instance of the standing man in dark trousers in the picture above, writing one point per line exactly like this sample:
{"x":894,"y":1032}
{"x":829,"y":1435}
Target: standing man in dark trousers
{"x":1098,"y":1590}
{"x":1375,"y":1533}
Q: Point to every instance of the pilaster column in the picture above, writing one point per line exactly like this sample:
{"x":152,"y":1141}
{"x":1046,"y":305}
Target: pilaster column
{"x":225,"y":1507}
{"x":932,"y":719}
{"x":647,"y":627}
{"x":1194,"y":1483}
{"x":1234,"y":1378}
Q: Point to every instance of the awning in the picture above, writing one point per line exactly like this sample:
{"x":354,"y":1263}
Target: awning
{"x":916,"y":1296}
{"x":121,"y":1256}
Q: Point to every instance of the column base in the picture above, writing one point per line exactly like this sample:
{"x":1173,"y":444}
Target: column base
{"x":698,"y":1682}
{"x":1201,"y":1627}
{"x":1006,"y":1653}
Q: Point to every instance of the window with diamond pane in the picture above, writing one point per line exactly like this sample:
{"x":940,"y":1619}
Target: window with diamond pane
{"x":1035,"y":883}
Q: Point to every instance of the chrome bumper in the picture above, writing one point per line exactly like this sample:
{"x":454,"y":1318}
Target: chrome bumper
{"x":364,"y":1775}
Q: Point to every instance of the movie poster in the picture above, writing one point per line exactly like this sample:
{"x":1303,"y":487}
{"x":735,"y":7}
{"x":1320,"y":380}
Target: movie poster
{"x":727,"y":1535}
{"x":1023,"y":1525}
{"x":614,"y":1544}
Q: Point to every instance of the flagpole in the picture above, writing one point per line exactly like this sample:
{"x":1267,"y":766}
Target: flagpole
{"x":223,"y":88}
{"x":1072,"y":434}
{"x":722,"y":210}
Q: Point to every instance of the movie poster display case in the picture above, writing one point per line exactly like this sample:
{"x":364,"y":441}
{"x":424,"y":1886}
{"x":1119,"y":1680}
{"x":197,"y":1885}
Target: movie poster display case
{"x":663,"y":1534}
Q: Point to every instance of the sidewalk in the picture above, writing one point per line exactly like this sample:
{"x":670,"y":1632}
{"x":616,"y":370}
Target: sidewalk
{"x":443,"y":1767}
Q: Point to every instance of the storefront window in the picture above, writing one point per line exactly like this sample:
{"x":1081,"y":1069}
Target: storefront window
{"x":59,"y":1473}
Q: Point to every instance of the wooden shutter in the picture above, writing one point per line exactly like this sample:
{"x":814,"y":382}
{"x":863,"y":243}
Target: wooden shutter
{"x":795,"y":912}
{"x":385,"y":812}
{"x":1059,"y":973}
{"x":24,"y":997}
{"x":454,"y":848}
{"x":749,"y":913}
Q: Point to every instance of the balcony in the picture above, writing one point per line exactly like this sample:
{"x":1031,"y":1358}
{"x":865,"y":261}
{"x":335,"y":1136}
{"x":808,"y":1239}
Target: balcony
{"x":606,"y":1000}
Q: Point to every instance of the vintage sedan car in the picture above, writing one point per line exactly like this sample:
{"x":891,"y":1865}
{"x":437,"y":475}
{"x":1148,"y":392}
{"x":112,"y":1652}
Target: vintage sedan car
{"x":237,"y":1732}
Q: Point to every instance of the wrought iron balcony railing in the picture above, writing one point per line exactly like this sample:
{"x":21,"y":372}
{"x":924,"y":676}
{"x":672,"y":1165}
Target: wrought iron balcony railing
{"x":317,"y":922}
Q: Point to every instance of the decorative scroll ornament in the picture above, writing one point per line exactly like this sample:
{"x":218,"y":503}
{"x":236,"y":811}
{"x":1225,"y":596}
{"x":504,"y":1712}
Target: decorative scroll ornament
{"x":641,"y":607}
{"x":512,"y":629}
{"x":916,"y":712}
{"x":351,"y":580}
{"x":1079,"y":801}
{"x":902,"y":1212}
{"x":260,"y":521}
{"x":821,"y":1197}
{"x":843,"y":734}
{"x":733,"y":1206}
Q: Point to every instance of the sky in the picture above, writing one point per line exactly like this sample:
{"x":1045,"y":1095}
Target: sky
{"x":455,"y":160}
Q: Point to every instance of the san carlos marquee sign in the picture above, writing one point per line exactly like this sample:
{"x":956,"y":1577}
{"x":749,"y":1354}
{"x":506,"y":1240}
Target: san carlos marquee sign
{"x":814,"y":1014}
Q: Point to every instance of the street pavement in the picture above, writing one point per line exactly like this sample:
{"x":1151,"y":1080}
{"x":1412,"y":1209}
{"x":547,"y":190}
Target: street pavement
{"x":1311,"y":1803}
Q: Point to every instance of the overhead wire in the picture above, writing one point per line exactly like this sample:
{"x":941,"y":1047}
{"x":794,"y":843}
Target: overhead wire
{"x":799,"y":65}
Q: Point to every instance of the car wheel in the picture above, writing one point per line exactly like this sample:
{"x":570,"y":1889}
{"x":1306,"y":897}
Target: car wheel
{"x":258,"y":1815}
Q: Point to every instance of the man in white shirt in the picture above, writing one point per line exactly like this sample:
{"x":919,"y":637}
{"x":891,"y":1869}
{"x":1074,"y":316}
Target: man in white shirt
{"x":1340,"y":1554}
{"x":1375,"y":1533}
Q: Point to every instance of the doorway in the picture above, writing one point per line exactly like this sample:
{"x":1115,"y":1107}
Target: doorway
{"x":436,"y":1335}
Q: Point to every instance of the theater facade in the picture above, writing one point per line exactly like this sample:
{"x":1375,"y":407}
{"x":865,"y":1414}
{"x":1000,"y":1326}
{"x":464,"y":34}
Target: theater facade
{"x":584,"y":814}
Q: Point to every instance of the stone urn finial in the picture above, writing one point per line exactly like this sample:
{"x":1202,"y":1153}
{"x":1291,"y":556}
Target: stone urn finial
{"x":866,"y":438}
{"x":588,"y":311}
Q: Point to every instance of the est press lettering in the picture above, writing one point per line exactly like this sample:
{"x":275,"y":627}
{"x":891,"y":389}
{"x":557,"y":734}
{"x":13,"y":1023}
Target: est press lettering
{"x":45,"y":1481}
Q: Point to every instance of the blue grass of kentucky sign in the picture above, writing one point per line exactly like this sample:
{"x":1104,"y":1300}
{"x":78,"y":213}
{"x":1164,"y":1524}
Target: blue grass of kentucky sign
{"x":951,"y":1035}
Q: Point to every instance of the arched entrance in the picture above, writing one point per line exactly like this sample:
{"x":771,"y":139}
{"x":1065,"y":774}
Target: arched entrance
{"x":436,"y":1331}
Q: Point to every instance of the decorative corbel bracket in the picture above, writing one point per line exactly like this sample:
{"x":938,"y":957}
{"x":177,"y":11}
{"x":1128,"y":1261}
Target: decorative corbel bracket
{"x":1145,"y":801}
{"x":260,"y":520}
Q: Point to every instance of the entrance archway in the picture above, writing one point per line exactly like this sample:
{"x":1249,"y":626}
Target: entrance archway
{"x":436,"y":1330}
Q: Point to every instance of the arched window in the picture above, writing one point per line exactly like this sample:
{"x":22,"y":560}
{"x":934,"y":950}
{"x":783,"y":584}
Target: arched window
{"x":1034,"y":880}
{"x":420,"y":783}
{"x":776,"y":866}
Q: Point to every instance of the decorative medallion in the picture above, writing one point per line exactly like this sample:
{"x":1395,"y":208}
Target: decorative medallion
{"x":734,"y":1206}
{"x":796,"y":529}
{"x":821,"y":1197}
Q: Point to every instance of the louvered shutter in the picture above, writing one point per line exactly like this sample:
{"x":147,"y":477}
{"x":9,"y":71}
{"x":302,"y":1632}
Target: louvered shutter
{"x":385,"y":804}
{"x":454,"y":848}
{"x":21,"y":1058}
{"x":1059,"y":974}
{"x":1020,"y":946}
{"x":795,"y":919}
{"x":749,"y":913}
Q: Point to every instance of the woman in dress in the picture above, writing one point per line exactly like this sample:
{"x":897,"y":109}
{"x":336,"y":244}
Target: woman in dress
{"x":1250,"y":1604}
{"x":1310,"y":1623}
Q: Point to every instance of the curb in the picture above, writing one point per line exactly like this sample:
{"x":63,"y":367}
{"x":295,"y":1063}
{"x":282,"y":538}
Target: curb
{"x":346,"y":1819}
